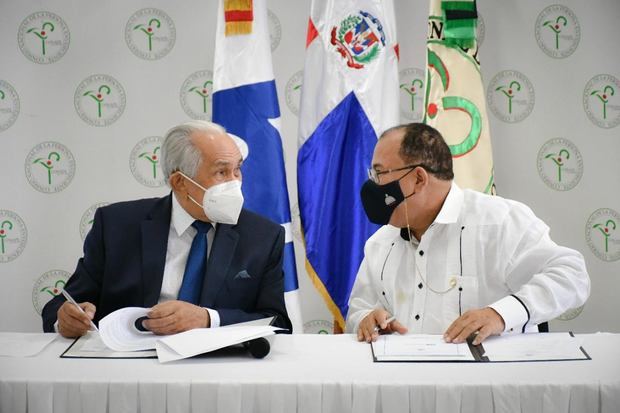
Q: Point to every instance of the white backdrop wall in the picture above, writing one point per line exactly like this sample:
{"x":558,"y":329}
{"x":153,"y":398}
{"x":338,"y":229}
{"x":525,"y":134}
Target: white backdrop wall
{"x":61,"y":158}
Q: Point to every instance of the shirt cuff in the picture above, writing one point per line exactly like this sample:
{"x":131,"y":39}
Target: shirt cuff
{"x":357,"y":319}
{"x":214,"y":316}
{"x":514,"y":312}
{"x":56,"y":326}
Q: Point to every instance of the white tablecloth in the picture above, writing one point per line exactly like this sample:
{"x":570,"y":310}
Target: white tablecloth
{"x":310,"y":373}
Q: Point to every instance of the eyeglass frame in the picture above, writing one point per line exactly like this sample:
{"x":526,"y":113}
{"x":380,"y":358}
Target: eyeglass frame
{"x":374,"y":175}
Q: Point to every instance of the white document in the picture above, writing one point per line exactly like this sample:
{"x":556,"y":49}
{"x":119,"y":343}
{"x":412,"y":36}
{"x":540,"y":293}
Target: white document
{"x":505,"y":348}
{"x":24,"y":344}
{"x":90,"y":345}
{"x":119,"y":333}
{"x":419,"y":347}
{"x":203,"y":340}
{"x":533,"y":346}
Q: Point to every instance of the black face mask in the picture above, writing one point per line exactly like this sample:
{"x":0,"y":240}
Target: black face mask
{"x":380,"y":201}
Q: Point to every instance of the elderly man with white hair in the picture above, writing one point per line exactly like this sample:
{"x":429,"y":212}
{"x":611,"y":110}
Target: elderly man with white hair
{"x":196,"y":258}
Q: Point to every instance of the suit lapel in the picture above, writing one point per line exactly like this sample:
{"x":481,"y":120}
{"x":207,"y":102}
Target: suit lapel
{"x":221,"y":255}
{"x":155,"y":230}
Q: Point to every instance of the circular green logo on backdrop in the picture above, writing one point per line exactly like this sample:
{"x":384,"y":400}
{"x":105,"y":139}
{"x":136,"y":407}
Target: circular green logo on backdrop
{"x":292,"y":91}
{"x":318,"y":327}
{"x":9,"y":105}
{"x":50,"y":167}
{"x":601,"y":101}
{"x":48,"y":286}
{"x":86,"y":222}
{"x":411,"y":94}
{"x":43,"y":37}
{"x":150,"y":34}
{"x":13,"y":235}
{"x":511,"y":96}
{"x":603,"y":234}
{"x":557,"y":31}
{"x":196,"y":94}
{"x":560,"y":165}
{"x":144,"y":162}
{"x":275,"y":30}
{"x":99,"y":100}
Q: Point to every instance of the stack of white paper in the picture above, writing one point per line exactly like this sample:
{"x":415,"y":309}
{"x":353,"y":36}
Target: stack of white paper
{"x":117,"y":330}
{"x":203,"y":340}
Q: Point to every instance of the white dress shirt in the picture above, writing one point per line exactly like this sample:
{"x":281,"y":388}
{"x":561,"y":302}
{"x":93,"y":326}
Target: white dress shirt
{"x":480,"y":251}
{"x":180,"y":237}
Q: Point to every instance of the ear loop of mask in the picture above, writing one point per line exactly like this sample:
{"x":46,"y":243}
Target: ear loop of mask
{"x":388,"y":306}
{"x":195,"y":183}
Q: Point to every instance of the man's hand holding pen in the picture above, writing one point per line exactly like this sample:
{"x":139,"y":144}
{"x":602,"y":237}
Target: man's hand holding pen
{"x":378,"y":321}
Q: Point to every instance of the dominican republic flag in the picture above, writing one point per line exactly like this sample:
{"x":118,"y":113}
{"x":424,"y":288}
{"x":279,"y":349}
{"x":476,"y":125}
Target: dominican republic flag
{"x":245,"y":102}
{"x":349,"y":96}
{"x":455,"y":100}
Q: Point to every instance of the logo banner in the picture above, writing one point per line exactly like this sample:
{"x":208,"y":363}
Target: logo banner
{"x":454,"y":103}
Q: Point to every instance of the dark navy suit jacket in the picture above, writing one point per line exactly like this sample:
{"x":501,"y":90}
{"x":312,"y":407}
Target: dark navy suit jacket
{"x":125,"y":254}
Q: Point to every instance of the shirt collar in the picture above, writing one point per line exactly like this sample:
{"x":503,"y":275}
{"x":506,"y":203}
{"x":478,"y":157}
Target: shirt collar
{"x":451,"y":207}
{"x":448,"y":214}
{"x":181,"y":219}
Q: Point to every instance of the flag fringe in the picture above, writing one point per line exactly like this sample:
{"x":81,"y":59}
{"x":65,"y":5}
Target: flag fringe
{"x":331,"y":305}
{"x":238,"y":15}
{"x":235,"y":28}
{"x":237,"y":5}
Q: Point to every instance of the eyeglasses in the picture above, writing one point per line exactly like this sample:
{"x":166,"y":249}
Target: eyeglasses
{"x":374,"y":175}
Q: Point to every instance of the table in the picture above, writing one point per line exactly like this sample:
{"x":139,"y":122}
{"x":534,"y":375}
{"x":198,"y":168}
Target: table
{"x":310,"y":373}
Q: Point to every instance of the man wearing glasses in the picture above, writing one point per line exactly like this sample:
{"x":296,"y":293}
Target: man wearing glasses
{"x":451,"y":261}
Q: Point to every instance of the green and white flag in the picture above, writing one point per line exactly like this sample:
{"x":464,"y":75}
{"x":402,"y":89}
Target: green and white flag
{"x":455,"y":100}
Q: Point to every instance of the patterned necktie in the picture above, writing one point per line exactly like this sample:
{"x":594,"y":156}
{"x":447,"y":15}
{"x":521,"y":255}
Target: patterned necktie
{"x":196,"y":265}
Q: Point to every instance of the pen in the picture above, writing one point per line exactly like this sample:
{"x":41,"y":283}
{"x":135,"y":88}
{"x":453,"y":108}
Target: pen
{"x":388,"y":321}
{"x":72,"y":301}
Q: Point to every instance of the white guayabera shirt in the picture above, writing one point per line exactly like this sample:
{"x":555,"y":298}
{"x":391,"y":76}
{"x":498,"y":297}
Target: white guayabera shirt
{"x":480,"y":251}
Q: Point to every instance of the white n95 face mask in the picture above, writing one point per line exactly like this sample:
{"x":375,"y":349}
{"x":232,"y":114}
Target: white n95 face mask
{"x":221,"y":203}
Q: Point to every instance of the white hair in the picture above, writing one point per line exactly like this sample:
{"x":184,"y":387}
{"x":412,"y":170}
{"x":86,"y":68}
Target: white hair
{"x":178,"y":153}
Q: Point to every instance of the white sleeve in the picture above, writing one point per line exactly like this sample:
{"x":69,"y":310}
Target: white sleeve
{"x":364,"y":296}
{"x":545,"y":279}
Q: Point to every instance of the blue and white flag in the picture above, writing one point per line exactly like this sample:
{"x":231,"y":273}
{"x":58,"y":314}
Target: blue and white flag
{"x":245,"y":102}
{"x":349,"y":96}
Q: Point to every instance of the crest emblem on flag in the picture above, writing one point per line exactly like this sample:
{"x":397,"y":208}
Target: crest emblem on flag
{"x":359,"y":39}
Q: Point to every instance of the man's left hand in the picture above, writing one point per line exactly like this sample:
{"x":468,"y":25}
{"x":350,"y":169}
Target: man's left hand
{"x":485,"y":321}
{"x":174,"y":317}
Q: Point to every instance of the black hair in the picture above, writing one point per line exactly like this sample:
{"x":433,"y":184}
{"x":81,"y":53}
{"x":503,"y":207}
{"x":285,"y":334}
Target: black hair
{"x":424,"y":144}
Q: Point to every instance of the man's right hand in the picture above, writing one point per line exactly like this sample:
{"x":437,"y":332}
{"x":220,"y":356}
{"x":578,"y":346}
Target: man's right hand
{"x":367,"y":331}
{"x":72,"y":322}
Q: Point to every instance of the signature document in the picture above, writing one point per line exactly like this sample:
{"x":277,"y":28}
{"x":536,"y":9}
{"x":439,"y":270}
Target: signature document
{"x":506,"y":348}
{"x":119,"y":337}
